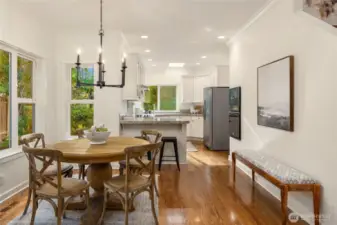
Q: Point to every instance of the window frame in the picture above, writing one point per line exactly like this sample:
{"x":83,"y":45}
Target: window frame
{"x":14,"y":100}
{"x":158,"y":97}
{"x":81,"y":101}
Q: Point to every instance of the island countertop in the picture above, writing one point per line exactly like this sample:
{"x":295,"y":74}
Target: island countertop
{"x":156,"y":121}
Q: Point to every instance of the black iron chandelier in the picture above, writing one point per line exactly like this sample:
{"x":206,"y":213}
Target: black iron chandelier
{"x":101,"y":67}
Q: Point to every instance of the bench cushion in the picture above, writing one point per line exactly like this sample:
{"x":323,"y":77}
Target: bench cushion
{"x":273,"y":167}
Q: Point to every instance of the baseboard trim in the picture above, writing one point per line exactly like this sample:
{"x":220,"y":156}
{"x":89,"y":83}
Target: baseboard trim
{"x":11,"y":195}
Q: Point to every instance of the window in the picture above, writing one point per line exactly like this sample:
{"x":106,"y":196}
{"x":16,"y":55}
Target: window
{"x":161,"y":98}
{"x":26,"y":105}
{"x":17,"y":105}
{"x":82,"y":100}
{"x":4,"y":100}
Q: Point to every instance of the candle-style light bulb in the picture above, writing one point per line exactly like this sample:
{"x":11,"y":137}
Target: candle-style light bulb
{"x":78,"y":55}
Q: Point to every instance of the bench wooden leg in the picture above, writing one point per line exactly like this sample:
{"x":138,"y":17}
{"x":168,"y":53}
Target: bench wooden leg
{"x":317,"y":202}
{"x":284,"y":204}
{"x":253,"y":176}
{"x":233,"y":165}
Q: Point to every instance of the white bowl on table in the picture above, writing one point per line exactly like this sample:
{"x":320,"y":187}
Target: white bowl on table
{"x":97,"y":138}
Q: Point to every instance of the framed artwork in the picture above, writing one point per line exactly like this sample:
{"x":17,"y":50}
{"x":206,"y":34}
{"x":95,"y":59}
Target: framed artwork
{"x":235,"y":99}
{"x":275,"y":94}
{"x":324,"y":10}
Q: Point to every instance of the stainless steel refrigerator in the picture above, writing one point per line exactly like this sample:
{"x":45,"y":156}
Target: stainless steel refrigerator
{"x":216,"y":118}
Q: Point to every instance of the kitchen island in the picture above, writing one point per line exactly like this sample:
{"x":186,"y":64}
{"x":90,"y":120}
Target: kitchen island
{"x":169,"y":127}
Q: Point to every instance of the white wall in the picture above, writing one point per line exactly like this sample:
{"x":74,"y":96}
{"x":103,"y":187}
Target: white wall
{"x":108,"y":101}
{"x":223,"y":76}
{"x":22,"y":31}
{"x":279,"y":32}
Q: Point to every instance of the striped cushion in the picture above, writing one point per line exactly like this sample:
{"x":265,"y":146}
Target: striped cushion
{"x":282,"y":172}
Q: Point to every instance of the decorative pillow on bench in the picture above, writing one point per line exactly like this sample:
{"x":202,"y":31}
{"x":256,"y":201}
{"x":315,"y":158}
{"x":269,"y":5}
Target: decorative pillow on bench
{"x":284,"y":173}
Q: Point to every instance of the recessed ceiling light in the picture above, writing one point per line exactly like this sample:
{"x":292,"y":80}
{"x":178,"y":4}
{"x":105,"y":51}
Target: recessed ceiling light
{"x":154,"y":65}
{"x":147,"y":50}
{"x":197,"y":64}
{"x":144,"y":37}
{"x":203,"y":57}
{"x":221,"y":37}
{"x":150,"y":60}
{"x":176,"y":64}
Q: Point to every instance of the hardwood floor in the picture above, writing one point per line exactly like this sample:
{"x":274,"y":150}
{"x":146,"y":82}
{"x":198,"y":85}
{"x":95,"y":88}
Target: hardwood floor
{"x":201,"y":194}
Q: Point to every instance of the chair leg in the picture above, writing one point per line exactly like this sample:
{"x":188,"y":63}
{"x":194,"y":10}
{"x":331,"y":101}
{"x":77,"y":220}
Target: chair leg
{"x":34,"y":209}
{"x":155,"y":187}
{"x":161,"y":155}
{"x":126,"y":209}
{"x":152,"y":205}
{"x":28,"y":202}
{"x":59,"y":210}
{"x":284,"y":204}
{"x":317,"y":202}
{"x":121,"y":171}
{"x":101,"y":219}
{"x":234,"y":166}
{"x":175,"y":145}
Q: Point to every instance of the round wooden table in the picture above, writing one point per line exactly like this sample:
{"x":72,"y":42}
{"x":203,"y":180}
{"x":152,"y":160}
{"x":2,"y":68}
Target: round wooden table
{"x":99,"y":158}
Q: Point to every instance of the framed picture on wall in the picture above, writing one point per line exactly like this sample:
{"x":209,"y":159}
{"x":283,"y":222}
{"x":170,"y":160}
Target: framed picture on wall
{"x":275,"y":94}
{"x":235,"y":99}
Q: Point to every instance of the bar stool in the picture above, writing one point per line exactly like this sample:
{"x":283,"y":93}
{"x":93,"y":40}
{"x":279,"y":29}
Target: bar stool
{"x":176,"y":154}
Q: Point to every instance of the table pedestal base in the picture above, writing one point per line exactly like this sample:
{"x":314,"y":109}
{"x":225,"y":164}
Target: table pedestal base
{"x":96,"y":174}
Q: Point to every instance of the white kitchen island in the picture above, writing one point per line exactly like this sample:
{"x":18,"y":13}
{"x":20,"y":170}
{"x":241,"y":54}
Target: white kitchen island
{"x":169,"y":127}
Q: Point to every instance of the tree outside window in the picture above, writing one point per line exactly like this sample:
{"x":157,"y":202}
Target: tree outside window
{"x":162,"y":98}
{"x":4,"y":100}
{"x":82,"y":104}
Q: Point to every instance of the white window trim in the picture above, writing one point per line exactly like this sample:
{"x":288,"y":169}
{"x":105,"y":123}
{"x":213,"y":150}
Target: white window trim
{"x":158,"y":98}
{"x":71,"y":101}
{"x":15,"y":150}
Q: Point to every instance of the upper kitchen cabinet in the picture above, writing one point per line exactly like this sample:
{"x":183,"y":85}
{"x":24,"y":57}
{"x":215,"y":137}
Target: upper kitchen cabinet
{"x":188,"y":88}
{"x":193,"y":87}
{"x":134,"y":78}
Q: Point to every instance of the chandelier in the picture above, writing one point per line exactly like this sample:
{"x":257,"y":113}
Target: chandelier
{"x":101,"y":67}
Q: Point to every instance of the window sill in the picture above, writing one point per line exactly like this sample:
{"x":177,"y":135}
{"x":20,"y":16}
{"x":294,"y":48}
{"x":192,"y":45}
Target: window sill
{"x":10,"y":154}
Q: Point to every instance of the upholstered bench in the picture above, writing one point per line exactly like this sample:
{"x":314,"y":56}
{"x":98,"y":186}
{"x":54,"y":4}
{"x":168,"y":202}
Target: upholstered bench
{"x":284,"y":177}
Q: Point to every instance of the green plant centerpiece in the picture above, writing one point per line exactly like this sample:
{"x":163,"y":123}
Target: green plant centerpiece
{"x":97,"y":134}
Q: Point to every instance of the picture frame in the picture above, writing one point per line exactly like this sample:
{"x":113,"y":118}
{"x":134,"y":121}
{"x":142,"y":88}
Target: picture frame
{"x":275,"y":94}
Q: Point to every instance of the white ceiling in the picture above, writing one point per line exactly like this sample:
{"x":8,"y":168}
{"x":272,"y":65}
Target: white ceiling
{"x":178,"y":30}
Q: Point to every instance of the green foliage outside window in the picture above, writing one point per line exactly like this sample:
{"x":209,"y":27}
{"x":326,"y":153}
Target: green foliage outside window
{"x":168,"y":98}
{"x":82,"y":117}
{"x":83,"y":92}
{"x":26,"y":119}
{"x":4,"y":99}
{"x":25,"y":76}
{"x":151,"y":99}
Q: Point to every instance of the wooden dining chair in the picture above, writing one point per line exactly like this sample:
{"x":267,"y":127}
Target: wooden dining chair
{"x":152,"y":136}
{"x":47,"y":187}
{"x":127,"y":187}
{"x":81,"y":166}
{"x":38,"y":140}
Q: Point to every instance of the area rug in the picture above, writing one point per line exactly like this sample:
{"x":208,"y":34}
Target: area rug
{"x":141,"y":216}
{"x":190,"y":147}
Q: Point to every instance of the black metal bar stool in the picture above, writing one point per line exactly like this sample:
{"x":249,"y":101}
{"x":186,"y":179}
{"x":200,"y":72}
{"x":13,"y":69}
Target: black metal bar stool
{"x":176,"y":154}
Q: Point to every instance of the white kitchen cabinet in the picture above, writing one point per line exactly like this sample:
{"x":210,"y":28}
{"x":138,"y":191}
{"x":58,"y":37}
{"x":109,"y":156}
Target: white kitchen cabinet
{"x":134,"y":78}
{"x":193,"y":88}
{"x":188,"y":88}
{"x":200,"y":83}
{"x":197,"y":127}
{"x":189,"y":125}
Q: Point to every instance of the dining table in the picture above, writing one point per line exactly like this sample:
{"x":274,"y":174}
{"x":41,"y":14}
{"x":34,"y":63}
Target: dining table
{"x":98,"y":157}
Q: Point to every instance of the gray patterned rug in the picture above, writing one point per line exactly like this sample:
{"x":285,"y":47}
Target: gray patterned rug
{"x":141,"y":216}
